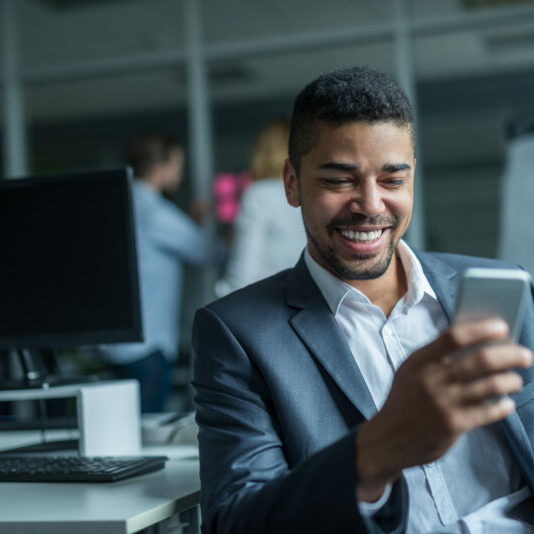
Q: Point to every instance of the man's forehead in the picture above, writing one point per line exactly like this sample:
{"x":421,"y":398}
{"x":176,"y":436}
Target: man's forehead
{"x":347,"y":134}
{"x":321,"y":126}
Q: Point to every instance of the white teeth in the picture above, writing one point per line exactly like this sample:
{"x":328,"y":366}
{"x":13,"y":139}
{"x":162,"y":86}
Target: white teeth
{"x":362,"y":237}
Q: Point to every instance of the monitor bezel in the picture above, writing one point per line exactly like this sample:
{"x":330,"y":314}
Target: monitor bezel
{"x":57,"y":340}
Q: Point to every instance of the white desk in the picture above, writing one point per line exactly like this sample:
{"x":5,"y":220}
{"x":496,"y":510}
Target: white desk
{"x":154,"y":501}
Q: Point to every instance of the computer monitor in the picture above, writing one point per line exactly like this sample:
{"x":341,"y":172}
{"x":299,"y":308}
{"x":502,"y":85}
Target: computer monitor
{"x":68,"y":261}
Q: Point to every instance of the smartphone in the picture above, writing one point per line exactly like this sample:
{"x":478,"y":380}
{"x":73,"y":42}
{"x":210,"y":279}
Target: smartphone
{"x":485,"y":293}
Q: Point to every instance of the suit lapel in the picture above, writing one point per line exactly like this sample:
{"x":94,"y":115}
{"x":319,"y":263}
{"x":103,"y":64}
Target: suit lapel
{"x":443,"y":280}
{"x":317,"y":328}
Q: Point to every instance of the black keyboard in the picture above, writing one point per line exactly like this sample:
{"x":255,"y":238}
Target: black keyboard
{"x":27,"y":468}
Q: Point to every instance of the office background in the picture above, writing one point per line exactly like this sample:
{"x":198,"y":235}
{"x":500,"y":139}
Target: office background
{"x":78,"y":78}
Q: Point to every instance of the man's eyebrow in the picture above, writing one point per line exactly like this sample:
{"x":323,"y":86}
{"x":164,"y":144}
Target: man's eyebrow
{"x":338,"y":166}
{"x":394,"y":167}
{"x":352,"y":167}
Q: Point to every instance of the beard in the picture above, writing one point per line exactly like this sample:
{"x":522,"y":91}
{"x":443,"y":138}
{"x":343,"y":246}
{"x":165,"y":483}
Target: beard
{"x":367,"y":268}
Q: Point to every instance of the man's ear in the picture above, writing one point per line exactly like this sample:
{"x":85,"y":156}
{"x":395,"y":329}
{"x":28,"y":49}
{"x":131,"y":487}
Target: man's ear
{"x":291,"y":184}
{"x":156,"y":177}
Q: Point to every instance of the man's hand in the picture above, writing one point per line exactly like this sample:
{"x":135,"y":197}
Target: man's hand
{"x":435,"y":397}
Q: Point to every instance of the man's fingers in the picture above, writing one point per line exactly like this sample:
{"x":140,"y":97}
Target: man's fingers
{"x":461,"y":336}
{"x":491,"y":387}
{"x":488,"y":359}
{"x":485,"y":414}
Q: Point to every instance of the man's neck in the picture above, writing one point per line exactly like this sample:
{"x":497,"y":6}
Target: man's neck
{"x":386,"y":290}
{"x":151,"y":182}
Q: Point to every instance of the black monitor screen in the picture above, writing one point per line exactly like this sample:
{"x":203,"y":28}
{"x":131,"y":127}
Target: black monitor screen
{"x":68,"y":265}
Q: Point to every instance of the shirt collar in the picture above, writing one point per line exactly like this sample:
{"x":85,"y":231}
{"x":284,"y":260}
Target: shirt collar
{"x":335,"y":290}
{"x":145,"y":189}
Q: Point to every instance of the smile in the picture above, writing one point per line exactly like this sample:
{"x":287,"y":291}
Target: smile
{"x":361,"y":236}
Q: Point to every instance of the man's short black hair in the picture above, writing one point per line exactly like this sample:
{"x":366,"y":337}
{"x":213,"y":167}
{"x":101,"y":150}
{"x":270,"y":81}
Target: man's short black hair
{"x":345,"y":95}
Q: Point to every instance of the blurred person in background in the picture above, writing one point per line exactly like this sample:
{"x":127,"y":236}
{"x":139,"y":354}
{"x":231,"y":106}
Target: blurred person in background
{"x":269,"y":234}
{"x":166,"y":238}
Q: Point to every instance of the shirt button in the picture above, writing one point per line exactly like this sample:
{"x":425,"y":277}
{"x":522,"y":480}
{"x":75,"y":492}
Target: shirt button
{"x":430,"y":465}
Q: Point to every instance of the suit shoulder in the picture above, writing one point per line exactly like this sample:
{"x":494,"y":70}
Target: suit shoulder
{"x":254,"y":298}
{"x":461,"y":261}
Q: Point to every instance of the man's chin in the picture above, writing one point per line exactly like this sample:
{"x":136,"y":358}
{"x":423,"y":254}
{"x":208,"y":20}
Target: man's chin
{"x":363,"y":273}
{"x":362,"y":266}
{"x":350,"y":266}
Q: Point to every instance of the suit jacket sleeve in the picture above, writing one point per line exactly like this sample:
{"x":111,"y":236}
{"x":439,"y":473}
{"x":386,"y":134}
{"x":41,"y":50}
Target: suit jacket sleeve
{"x":247,"y":484}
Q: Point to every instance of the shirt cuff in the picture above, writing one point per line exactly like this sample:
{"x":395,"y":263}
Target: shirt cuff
{"x":367,"y":509}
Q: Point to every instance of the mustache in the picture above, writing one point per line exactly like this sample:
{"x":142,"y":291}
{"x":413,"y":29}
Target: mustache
{"x":357,"y":219}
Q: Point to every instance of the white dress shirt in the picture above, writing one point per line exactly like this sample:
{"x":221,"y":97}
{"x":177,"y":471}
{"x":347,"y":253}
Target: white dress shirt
{"x":458,"y":493}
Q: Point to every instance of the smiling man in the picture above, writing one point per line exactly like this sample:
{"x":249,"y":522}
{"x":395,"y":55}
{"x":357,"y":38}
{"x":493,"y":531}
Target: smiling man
{"x":357,"y":197}
{"x":329,"y":398}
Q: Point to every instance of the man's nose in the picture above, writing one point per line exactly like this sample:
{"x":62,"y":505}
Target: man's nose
{"x":367,"y":200}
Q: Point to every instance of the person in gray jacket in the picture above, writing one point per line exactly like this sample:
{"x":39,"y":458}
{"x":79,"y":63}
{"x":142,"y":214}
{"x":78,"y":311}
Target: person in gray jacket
{"x":329,"y":397}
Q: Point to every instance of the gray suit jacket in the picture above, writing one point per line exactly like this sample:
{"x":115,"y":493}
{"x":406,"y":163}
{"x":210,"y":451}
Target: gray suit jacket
{"x":280,"y":398}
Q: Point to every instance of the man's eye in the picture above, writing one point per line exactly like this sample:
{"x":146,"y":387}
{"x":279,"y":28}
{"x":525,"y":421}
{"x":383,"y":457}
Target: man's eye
{"x":394,"y":182}
{"x":336,"y":181}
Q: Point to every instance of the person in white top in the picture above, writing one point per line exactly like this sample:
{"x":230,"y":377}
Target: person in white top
{"x":269,"y":235}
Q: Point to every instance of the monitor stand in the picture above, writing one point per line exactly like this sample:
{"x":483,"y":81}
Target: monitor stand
{"x":107,"y":413}
{"x":41,"y":370}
